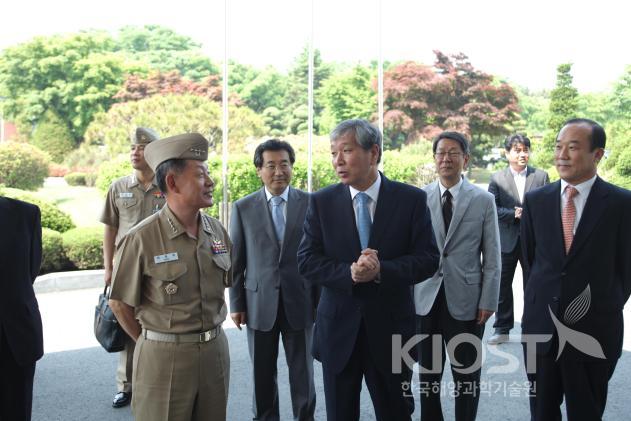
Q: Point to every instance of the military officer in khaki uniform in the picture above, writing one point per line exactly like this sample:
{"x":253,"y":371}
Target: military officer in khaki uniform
{"x":168,"y":285}
{"x":130,"y":199}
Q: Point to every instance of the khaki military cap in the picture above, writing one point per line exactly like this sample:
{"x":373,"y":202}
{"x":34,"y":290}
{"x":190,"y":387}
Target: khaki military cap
{"x":145,"y":135}
{"x":182,"y":146}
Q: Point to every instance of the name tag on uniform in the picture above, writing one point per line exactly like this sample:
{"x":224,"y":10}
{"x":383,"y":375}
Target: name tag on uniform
{"x":163,"y":258}
{"x":126,"y":194}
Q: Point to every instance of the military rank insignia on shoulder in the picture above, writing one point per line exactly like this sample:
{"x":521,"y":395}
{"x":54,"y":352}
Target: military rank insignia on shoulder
{"x":218,"y":247}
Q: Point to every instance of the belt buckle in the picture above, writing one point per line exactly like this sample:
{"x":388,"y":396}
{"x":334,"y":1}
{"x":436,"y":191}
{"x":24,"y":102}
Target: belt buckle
{"x":204,"y":336}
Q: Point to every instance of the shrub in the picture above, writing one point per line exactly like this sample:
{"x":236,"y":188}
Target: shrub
{"x":110,"y":171}
{"x":53,"y":256}
{"x":57,"y":170}
{"x":84,"y":247}
{"x":76,"y":179}
{"x":90,"y":179}
{"x":52,"y":217}
{"x":623,"y":164}
{"x":22,"y":166}
{"x":86,"y":156}
{"x":52,"y":135}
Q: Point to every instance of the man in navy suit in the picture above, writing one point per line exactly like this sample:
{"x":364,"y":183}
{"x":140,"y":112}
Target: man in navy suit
{"x":367,"y":241}
{"x":21,"y":343}
{"x":577,"y":278}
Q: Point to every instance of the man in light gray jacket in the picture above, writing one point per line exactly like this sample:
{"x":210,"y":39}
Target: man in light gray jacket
{"x":268,"y":294}
{"x":463,"y":293}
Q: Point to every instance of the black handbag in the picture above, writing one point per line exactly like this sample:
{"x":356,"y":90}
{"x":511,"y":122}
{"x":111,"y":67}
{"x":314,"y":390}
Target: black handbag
{"x":107,"y":330}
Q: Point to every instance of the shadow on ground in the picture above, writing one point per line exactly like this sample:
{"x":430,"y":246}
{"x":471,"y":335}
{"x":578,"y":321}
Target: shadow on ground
{"x":79,"y":385}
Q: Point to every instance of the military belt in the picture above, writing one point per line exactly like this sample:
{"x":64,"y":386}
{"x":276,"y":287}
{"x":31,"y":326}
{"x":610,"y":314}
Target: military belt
{"x":201,"y":337}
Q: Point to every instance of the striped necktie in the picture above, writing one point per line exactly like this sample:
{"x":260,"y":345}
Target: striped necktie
{"x":568,"y":217}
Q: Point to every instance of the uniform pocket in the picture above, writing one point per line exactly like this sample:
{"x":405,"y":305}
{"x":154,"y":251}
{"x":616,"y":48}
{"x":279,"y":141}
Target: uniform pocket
{"x":222,"y":261}
{"x":127,"y":202}
{"x":163,"y":278}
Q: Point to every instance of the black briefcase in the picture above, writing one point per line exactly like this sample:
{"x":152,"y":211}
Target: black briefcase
{"x":107,"y":330}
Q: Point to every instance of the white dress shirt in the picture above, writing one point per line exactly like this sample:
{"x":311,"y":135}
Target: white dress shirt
{"x":372,"y":192}
{"x":520,"y":182}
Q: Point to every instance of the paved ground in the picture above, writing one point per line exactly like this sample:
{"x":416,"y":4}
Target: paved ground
{"x":75,"y":379}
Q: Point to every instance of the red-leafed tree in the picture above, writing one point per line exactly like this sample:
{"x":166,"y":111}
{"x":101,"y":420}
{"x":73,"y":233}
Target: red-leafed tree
{"x":158,"y":83}
{"x":421,"y":101}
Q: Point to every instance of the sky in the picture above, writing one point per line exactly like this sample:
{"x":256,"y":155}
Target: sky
{"x":519,"y":41}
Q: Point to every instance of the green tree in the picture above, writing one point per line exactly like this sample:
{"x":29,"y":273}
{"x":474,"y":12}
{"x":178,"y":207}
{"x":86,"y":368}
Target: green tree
{"x":74,"y":75}
{"x":348,"y":95}
{"x":295,"y":107}
{"x":165,"y":50}
{"x":563,"y":106}
{"x":53,"y":136}
{"x":534,"y":113}
{"x":170,"y":115}
{"x":267,"y":89}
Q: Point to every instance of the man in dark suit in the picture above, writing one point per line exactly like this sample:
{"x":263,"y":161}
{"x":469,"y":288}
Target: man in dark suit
{"x":577,"y":278}
{"x":268,"y":294}
{"x":367,"y":241}
{"x":21,"y":343}
{"x":509,"y":186}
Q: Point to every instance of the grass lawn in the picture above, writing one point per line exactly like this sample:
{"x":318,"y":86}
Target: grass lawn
{"x":83,"y":204}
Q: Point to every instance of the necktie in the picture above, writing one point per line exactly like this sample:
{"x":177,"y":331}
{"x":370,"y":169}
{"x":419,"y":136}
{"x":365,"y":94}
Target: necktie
{"x":447,"y":209}
{"x":568,"y":216}
{"x":363,"y":219}
{"x":278,"y":217}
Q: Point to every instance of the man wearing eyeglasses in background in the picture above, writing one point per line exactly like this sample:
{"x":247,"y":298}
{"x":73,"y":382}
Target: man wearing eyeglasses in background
{"x":268,"y":294}
{"x":509,"y":187}
{"x":463,"y":293}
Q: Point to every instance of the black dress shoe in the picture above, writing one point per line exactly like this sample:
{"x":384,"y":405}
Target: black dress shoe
{"x":121,"y":399}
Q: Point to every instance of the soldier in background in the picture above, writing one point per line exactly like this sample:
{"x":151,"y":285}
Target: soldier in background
{"x":130,"y":199}
{"x":168,"y":285}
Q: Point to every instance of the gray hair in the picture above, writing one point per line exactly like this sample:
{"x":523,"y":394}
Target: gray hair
{"x":365,"y":134}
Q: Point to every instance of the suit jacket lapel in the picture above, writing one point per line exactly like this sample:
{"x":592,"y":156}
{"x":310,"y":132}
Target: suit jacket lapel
{"x":464,"y":197}
{"x":382,"y":212}
{"x":530,"y":178}
{"x":291,"y":220}
{"x":435,"y":205}
{"x":344,"y":208}
{"x":268,"y":224}
{"x":592,"y":212}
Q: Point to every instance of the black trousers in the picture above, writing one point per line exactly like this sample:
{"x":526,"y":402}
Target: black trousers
{"x":441,"y":327}
{"x":504,"y":317}
{"x":16,"y":385}
{"x":389,"y":392}
{"x":583,"y":383}
{"x":263,"y":348}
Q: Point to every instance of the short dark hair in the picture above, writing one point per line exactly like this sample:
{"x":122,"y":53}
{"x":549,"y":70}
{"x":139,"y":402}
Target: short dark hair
{"x":516,"y":138}
{"x":273,"y":145}
{"x":458,"y":137}
{"x":365,"y":134}
{"x":175,"y":165}
{"x":597,"y":139}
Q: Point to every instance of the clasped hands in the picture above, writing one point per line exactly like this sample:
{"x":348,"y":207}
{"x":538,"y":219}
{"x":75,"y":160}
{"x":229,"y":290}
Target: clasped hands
{"x":366,"y":268}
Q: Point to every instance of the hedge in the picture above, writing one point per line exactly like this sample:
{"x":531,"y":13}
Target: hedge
{"x":110,"y":171}
{"x":75,"y":178}
{"x":53,"y":256}
{"x":52,"y":217}
{"x":22,"y":166}
{"x":84,"y":247}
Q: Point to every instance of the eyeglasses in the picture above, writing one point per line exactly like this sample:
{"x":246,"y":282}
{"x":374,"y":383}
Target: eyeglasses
{"x":273,"y":168}
{"x":451,"y":154}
